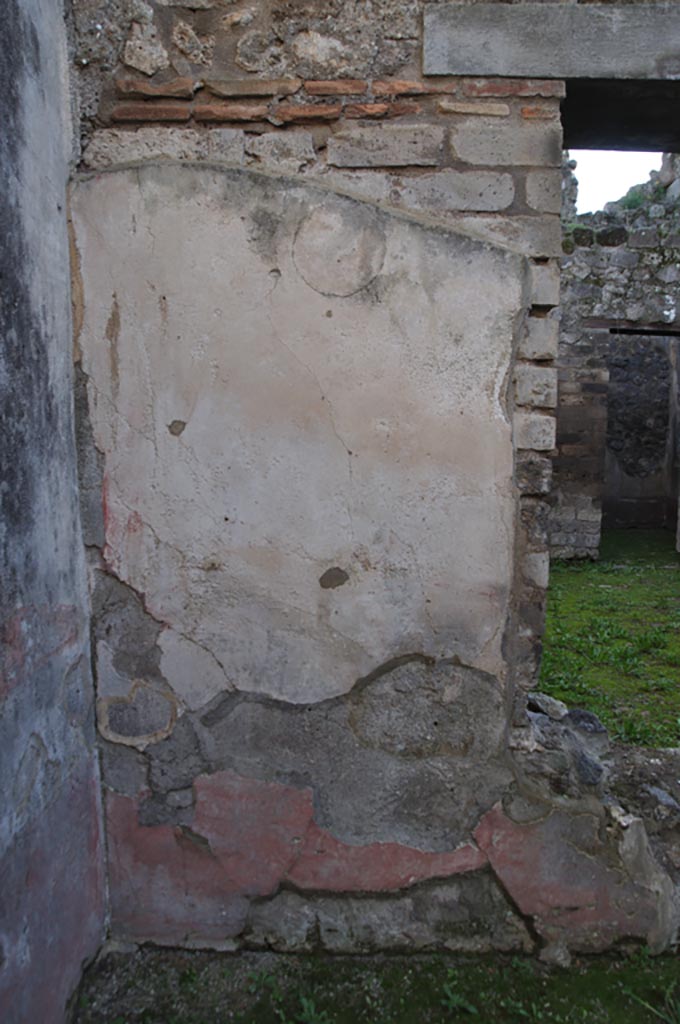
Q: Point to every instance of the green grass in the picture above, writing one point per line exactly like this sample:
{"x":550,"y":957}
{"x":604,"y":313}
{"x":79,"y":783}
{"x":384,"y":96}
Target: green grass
{"x":612,"y":641}
{"x":152,"y":988}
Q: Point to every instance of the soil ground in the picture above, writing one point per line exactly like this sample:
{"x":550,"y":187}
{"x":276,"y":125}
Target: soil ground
{"x":173,"y":987}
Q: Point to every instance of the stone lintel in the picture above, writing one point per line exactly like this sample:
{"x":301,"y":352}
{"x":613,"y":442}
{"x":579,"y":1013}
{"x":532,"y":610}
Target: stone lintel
{"x":639,"y":41}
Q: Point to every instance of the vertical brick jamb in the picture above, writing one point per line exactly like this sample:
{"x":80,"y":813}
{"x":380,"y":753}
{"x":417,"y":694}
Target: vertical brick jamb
{"x":535,"y":399}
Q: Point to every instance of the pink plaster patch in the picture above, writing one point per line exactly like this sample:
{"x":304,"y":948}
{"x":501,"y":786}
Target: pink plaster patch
{"x":264,"y":833}
{"x":165,"y":886}
{"x":559,"y":872}
{"x":255,"y":829}
{"x":247,"y":838}
{"x":52,"y":901}
{"x":326,"y":863}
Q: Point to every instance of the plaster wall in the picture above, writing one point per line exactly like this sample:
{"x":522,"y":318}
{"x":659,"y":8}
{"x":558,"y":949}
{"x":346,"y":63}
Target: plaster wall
{"x":51,"y":871}
{"x":308,"y":478}
{"x":315,"y":403}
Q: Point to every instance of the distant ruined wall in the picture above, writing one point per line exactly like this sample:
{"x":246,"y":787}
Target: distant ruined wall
{"x":315,"y":344}
{"x":619,"y":271}
{"x":51,"y":865}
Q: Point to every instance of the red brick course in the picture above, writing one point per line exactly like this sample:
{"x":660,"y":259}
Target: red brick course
{"x":219,"y":111}
{"x":340,"y":87}
{"x":381,"y":109}
{"x":513,"y":87}
{"x":288,"y":112}
{"x":151,"y":111}
{"x":401,"y":87}
{"x":137,"y":88}
{"x":253,"y":87}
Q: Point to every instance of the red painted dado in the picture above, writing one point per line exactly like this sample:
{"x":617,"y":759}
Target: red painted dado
{"x":164,"y":884}
{"x":247,"y":838}
{"x":326,"y":863}
{"x":51,"y":901}
{"x":558,"y":871}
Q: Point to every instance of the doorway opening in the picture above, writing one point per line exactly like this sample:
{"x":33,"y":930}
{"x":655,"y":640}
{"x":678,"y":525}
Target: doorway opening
{"x":617,"y":433}
{"x":611,"y":642}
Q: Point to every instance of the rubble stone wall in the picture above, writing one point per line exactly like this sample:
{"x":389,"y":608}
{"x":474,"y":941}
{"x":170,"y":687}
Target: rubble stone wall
{"x":618,"y":391}
{"x":320,"y":560}
{"x":315,"y":343}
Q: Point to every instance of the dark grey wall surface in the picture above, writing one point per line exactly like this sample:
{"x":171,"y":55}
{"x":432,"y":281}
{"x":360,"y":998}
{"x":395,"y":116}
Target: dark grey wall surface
{"x":51,"y":877}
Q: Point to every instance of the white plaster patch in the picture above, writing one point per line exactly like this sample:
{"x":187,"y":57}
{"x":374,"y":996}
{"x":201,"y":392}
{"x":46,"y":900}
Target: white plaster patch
{"x":191,"y":671}
{"x":363,"y":432}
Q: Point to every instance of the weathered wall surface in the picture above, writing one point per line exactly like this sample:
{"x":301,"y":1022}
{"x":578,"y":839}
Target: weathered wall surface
{"x":51,"y":884}
{"x":316,"y":390}
{"x":620,"y":271}
{"x":308,"y":475}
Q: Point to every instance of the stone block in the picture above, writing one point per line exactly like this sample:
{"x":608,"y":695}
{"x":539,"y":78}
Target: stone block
{"x":123,"y":768}
{"x":545,"y":284}
{"x":669,"y":274}
{"x":544,"y":191}
{"x":111,"y":146}
{"x":226,"y":145}
{"x":533,"y":473}
{"x":484,"y":191}
{"x":673,"y":191}
{"x":534,"y":517}
{"x":538,"y":862}
{"x":589,"y":515}
{"x":644,"y":238}
{"x":623,"y":258}
{"x":500,"y":143}
{"x":480,"y":108}
{"x":144,"y":51}
{"x":536,"y":568}
{"x":583,"y":236}
{"x":386,"y":146}
{"x":285,"y":151}
{"x":540,"y":339}
{"x":370,"y":186}
{"x":466,"y":914}
{"x":563,"y":40}
{"x":536,"y":386}
{"x":612,"y":236}
{"x":537,"y":236}
{"x":534,"y":430}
